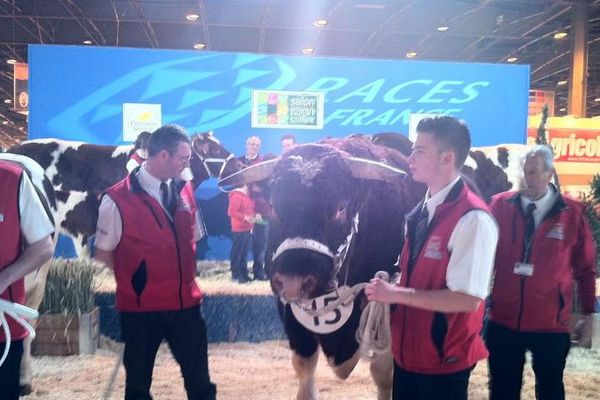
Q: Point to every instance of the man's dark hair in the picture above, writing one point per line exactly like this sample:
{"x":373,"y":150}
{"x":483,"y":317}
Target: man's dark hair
{"x":167,"y":137}
{"x":288,"y":136}
{"x":141,"y":142}
{"x":450,"y":134}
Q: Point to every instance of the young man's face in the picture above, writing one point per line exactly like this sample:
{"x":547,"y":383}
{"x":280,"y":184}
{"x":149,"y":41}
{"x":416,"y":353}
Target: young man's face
{"x":174,"y":164}
{"x":287,"y":144}
{"x":252,"y":146}
{"x":427,"y":161}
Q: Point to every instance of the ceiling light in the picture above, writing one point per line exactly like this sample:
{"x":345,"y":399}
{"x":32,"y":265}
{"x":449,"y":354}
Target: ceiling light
{"x":443,"y":28}
{"x":596,"y":99}
{"x":562,"y":109}
{"x":87,"y":42}
{"x":512,"y":59}
{"x":11,"y":61}
{"x":7,"y":101}
{"x":561,"y":83}
{"x":320,"y":22}
{"x":4,"y":122}
{"x":192,"y":17}
{"x":411,"y":54}
{"x":199,"y":46}
{"x":308,"y":50}
{"x":560,"y":34}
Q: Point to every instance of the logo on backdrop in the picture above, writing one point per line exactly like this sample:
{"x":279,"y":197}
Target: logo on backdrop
{"x":138,"y":117}
{"x":287,"y":110}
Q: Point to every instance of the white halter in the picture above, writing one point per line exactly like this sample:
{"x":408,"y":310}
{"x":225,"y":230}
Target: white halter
{"x":303,"y":244}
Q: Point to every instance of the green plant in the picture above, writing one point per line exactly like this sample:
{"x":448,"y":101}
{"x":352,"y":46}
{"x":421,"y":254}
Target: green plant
{"x":69,"y":287}
{"x":592,"y":203}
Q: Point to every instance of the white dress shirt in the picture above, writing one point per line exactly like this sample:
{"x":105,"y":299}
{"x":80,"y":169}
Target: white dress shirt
{"x":542,"y":205}
{"x":472,"y":248}
{"x":35,"y":224}
{"x":110,"y":224}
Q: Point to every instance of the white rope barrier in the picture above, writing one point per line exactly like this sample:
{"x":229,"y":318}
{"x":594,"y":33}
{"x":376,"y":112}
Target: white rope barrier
{"x":18,"y":312}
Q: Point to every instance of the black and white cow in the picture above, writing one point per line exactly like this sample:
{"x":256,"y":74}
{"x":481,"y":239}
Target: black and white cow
{"x":80,"y":172}
{"x":339,"y":210}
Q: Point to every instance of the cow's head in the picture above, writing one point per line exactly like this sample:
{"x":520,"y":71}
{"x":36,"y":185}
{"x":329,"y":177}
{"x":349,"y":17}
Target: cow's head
{"x":209,"y":157}
{"x":316,"y":192}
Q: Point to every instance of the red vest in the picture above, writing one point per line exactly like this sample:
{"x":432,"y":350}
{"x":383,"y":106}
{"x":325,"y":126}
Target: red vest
{"x":10,"y":234}
{"x":155,"y":260}
{"x":562,"y":250}
{"x":430,"y":342}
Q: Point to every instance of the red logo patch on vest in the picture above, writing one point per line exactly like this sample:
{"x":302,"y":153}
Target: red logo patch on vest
{"x":433,"y":248}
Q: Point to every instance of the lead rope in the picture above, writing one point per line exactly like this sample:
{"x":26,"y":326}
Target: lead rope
{"x":374,"y":333}
{"x":18,"y":312}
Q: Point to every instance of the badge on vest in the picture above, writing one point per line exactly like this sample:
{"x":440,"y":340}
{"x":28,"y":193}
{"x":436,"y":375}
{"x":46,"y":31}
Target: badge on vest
{"x":1,"y":217}
{"x":330,"y":322}
{"x":523,"y":269}
{"x":433,"y":248}
{"x":557,"y":232}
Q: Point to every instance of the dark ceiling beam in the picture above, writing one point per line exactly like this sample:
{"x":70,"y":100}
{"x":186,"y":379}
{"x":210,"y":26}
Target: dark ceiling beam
{"x":68,"y":4}
{"x":204,"y":23}
{"x":375,"y":32}
{"x":15,"y":18}
{"x":146,"y":25}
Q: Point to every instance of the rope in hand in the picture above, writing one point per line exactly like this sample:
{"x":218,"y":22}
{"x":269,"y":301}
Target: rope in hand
{"x":374,"y":333}
{"x":18,"y":312}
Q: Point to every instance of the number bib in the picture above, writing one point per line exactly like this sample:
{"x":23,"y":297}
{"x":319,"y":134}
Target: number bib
{"x":329,"y":322}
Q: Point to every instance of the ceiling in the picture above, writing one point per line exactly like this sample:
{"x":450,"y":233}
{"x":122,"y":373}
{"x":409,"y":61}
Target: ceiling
{"x":479,"y":31}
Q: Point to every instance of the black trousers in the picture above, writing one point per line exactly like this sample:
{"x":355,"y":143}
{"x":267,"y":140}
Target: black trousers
{"x":259,"y":247}
{"x":185,"y":332}
{"x":9,"y":371}
{"x":414,"y":386}
{"x":507,"y":356}
{"x":239,"y":254}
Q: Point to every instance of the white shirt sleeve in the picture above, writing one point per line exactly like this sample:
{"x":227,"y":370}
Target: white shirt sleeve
{"x":35,"y":224}
{"x":473,"y":249}
{"x":110,"y":225}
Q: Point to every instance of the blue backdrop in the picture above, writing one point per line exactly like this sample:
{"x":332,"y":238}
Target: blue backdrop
{"x":77,"y":93}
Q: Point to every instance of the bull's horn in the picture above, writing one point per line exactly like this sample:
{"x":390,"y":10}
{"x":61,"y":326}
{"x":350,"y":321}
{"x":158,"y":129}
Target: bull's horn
{"x":369,"y":169}
{"x":254,"y":173}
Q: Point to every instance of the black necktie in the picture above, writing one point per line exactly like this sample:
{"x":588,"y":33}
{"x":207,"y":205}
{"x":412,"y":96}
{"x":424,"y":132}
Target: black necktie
{"x":419,"y":234}
{"x":165,"y":197}
{"x":529,"y":229}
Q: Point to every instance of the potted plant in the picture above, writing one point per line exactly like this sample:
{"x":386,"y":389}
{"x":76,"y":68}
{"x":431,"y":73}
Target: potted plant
{"x":68,"y":322}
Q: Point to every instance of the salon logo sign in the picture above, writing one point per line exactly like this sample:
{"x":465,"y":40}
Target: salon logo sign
{"x":139,"y":117}
{"x":287,"y":109}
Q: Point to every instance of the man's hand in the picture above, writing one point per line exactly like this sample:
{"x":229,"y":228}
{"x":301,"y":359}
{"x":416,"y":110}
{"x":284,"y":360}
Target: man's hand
{"x":584,"y":330}
{"x":383,"y":292}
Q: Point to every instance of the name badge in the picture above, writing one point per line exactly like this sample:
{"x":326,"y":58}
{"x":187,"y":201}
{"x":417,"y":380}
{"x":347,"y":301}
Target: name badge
{"x":523,"y":269}
{"x":1,"y":217}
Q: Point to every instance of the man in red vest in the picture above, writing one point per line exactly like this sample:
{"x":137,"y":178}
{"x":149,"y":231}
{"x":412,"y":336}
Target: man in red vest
{"x":545,"y":245}
{"x":25,"y":244}
{"x":446,"y":264}
{"x":147,"y":230}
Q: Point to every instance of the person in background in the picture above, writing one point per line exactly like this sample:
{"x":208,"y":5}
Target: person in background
{"x":446,"y":263}
{"x":287,"y":142}
{"x":545,"y":245}
{"x":25,"y":245}
{"x":140,"y":151}
{"x":241,"y":213}
{"x":262,"y":208}
{"x":146,"y":232}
